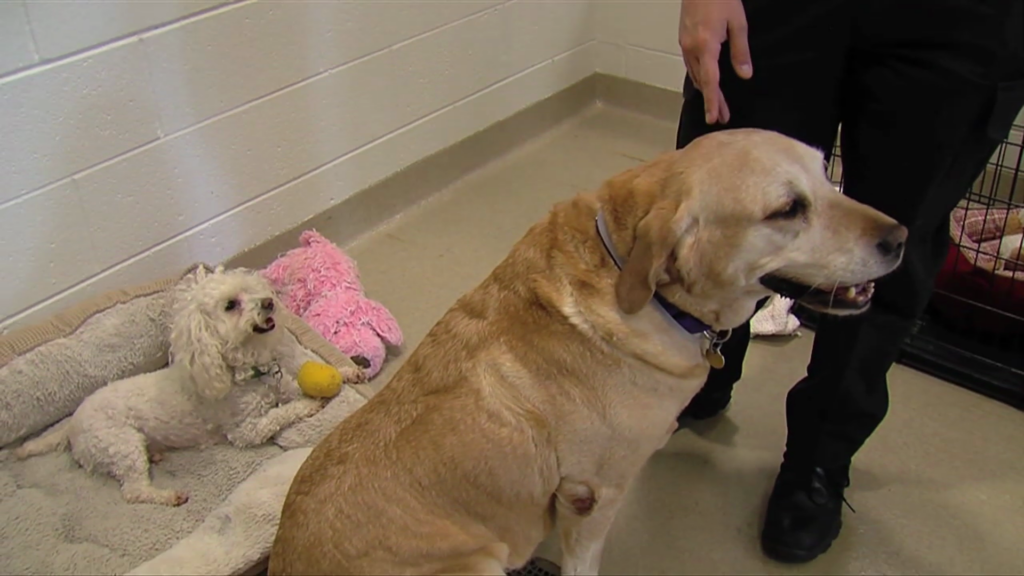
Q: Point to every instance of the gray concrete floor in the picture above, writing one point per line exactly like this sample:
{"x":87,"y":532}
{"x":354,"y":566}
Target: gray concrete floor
{"x":938,"y":489}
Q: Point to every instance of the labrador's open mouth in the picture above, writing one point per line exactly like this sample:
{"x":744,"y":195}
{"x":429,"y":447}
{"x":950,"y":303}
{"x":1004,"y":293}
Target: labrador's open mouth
{"x":267,"y":326}
{"x":837,"y":298}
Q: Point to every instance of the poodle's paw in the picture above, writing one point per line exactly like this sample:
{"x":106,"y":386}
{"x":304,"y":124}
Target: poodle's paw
{"x":150,"y":495}
{"x":311,"y":406}
{"x":178,"y":498}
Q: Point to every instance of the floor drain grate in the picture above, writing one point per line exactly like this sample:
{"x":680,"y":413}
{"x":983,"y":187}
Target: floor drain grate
{"x":538,"y":567}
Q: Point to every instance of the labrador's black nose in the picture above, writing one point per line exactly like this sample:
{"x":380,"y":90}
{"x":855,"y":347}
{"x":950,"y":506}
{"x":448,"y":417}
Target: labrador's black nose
{"x":893,"y":241}
{"x":267,"y":304}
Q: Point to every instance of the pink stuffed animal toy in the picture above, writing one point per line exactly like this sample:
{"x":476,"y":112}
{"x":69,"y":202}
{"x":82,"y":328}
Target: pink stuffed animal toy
{"x":320,"y":283}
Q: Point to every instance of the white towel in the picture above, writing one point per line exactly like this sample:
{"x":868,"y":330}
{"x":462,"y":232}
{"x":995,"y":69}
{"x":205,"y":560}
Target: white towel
{"x":775,"y":319}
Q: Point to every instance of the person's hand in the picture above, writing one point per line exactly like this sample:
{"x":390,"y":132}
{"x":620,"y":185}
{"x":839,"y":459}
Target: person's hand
{"x":703,"y":26}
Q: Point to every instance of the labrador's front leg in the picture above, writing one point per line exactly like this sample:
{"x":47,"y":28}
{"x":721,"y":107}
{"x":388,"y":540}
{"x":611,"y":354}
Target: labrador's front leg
{"x":584,"y":514}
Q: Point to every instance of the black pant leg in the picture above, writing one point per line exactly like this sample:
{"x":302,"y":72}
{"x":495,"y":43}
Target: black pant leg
{"x":798,"y":48}
{"x":919,"y":124}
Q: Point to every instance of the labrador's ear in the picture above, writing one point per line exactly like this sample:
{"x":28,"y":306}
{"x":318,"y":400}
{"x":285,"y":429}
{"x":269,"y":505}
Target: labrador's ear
{"x":655,"y":238}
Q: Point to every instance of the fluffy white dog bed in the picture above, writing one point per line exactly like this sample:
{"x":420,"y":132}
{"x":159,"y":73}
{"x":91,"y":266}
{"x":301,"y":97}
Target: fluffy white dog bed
{"x":60,"y":519}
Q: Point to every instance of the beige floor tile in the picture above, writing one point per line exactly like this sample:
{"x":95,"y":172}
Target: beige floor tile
{"x":939,"y":488}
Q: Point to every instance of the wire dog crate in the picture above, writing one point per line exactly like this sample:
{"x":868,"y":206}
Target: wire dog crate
{"x":972,"y":333}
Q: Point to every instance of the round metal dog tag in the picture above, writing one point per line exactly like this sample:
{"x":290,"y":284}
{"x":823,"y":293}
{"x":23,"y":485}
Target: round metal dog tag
{"x":715,"y":358}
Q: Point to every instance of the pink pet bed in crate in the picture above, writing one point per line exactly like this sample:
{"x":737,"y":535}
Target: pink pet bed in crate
{"x":974,"y":273}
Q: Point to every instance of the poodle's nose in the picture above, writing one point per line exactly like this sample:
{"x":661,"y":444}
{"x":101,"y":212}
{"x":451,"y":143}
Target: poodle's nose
{"x":267,"y":304}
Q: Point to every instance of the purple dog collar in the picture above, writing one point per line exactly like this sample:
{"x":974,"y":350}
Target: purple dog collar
{"x":686,"y":321}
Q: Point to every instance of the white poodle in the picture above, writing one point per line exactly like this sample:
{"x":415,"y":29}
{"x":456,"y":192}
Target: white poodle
{"x":231,"y":378}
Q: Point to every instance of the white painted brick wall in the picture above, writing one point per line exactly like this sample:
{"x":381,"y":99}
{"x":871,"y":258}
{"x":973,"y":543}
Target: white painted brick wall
{"x":16,"y":47}
{"x":141,"y":136}
{"x":638,"y":39}
{"x":66,"y":26}
{"x":262,"y":47}
{"x":63,"y":117}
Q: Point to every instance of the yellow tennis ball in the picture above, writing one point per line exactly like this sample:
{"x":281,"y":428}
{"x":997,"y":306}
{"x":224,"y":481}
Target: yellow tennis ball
{"x":319,"y":380}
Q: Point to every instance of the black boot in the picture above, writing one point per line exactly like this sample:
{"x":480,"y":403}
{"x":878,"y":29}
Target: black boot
{"x":709,"y":402}
{"x":804,"y":514}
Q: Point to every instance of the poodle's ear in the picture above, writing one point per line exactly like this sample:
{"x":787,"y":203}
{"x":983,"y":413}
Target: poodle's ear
{"x":194,"y":345}
{"x":192,"y":278}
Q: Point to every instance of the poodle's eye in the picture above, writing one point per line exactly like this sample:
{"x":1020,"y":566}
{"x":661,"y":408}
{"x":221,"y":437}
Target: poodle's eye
{"x":797,"y":207}
{"x":231,"y":305}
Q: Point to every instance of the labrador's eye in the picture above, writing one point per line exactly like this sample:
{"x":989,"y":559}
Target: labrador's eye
{"x":231,"y":305}
{"x":796,"y":208}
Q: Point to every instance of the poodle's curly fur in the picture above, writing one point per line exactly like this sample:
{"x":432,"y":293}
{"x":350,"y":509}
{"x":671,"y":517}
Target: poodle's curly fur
{"x":231,"y":378}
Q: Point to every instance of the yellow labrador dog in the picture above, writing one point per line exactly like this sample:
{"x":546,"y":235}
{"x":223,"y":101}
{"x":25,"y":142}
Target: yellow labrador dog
{"x":537,"y":398}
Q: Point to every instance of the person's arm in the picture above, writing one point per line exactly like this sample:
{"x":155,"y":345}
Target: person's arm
{"x":703,"y":26}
